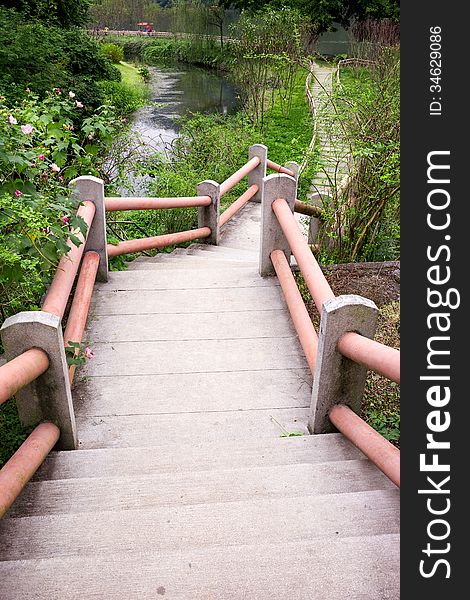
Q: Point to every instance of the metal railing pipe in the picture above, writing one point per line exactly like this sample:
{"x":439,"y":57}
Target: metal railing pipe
{"x":59,"y":290}
{"x":238,"y":204}
{"x":76,"y":321}
{"x":379,"y":450}
{"x":307,"y":209}
{"x":303,"y":324}
{"x":22,"y":370}
{"x":275,"y":167}
{"x":113,"y":204}
{"x":159,"y":241}
{"x":313,"y":275}
{"x":229,"y":183}
{"x":16,"y":473}
{"x":373,"y":355}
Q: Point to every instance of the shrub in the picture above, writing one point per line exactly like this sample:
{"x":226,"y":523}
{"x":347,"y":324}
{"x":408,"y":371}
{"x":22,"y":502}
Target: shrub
{"x":124,"y":98}
{"x":113,"y":53}
{"x":41,"y":149}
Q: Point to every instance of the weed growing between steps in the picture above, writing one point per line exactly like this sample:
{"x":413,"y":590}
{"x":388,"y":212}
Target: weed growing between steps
{"x":12,"y":433}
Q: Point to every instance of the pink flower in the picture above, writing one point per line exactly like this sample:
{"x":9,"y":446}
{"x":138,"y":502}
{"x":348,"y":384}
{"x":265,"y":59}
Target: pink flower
{"x":12,"y":120}
{"x":18,"y":193}
{"x":79,"y":104}
{"x":71,"y":94}
{"x":57,"y":90}
{"x":41,"y":157}
{"x":65,"y":219}
{"x":61,"y":178}
{"x":46,"y":230}
{"x":55,"y":168}
{"x":125,"y":120}
{"x":88,"y":353}
{"x":27,"y":129}
{"x":72,"y":128}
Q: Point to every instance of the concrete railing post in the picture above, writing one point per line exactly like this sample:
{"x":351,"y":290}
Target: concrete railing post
{"x":49,"y":397}
{"x":272,"y":237}
{"x":314,"y":226}
{"x":295,"y":167}
{"x":209,"y":216}
{"x":337,"y":379}
{"x":257,"y":175}
{"x":92,"y":189}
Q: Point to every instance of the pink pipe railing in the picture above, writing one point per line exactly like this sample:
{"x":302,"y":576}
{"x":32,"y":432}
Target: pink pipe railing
{"x":229,"y":183}
{"x":313,"y":275}
{"x":59,"y":291}
{"x":21,"y":371}
{"x":159,"y":241}
{"x":302,"y":322}
{"x":373,"y":355}
{"x":379,"y":450}
{"x":238,"y":204}
{"x":113,"y":204}
{"x":16,"y":473}
{"x":78,"y":314}
{"x":275,"y":167}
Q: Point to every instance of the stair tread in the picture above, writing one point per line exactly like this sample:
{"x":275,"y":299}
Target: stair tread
{"x":196,"y":456}
{"x":196,"y":487}
{"x":347,"y":567}
{"x":187,"y":526}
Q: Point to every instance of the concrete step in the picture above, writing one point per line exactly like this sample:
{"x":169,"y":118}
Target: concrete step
{"x":126,"y":431}
{"x":182,"y":527}
{"x":206,"y":260}
{"x":213,"y":277}
{"x":356,"y":568}
{"x":192,"y":326}
{"x":123,"y":493}
{"x":196,"y":456}
{"x":228,"y":299}
{"x":234,"y":252}
{"x":168,"y":394}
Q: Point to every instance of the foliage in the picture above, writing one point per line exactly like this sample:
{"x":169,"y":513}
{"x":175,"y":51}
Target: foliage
{"x":268,"y":55}
{"x":39,"y":58}
{"x":65,"y":13}
{"x":323,"y":14}
{"x":41,"y":149}
{"x":12,"y":433}
{"x":362,"y":223}
{"x":113,"y":52}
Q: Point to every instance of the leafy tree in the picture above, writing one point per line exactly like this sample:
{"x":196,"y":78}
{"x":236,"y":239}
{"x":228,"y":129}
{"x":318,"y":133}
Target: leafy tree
{"x":64,"y":13}
{"x":323,"y":13}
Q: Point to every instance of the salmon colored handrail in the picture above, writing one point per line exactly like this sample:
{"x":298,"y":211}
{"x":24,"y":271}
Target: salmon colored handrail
{"x":113,"y":204}
{"x":229,"y":183}
{"x":59,"y":291}
{"x":16,"y":473}
{"x":379,"y":450}
{"x":373,"y":355}
{"x":302,"y":322}
{"x":159,"y":241}
{"x":76,"y":321}
{"x":275,"y":167}
{"x":238,"y":204}
{"x":20,"y":371}
{"x":313,"y":275}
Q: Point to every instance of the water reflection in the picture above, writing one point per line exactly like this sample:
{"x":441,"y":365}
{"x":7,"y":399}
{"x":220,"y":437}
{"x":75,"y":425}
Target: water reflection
{"x":176,"y":92}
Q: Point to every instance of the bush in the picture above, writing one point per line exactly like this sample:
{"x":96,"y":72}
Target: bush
{"x":124,"y":98}
{"x":113,"y":53}
{"x":40,"y":58}
{"x":41,"y":149}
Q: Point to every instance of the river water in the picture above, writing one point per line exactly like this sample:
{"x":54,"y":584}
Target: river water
{"x":176,"y":92}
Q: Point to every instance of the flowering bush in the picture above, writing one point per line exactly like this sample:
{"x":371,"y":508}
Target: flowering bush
{"x":43,"y":144}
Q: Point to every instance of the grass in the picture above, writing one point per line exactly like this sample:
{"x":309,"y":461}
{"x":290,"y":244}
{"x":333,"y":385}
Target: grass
{"x":12,"y":433}
{"x":131,"y":76}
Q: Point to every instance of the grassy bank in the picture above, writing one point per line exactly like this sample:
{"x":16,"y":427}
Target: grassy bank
{"x":130,"y":93}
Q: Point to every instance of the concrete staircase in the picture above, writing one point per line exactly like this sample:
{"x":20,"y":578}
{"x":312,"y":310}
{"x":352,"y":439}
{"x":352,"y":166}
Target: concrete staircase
{"x":334,"y":149}
{"x":188,"y":483}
